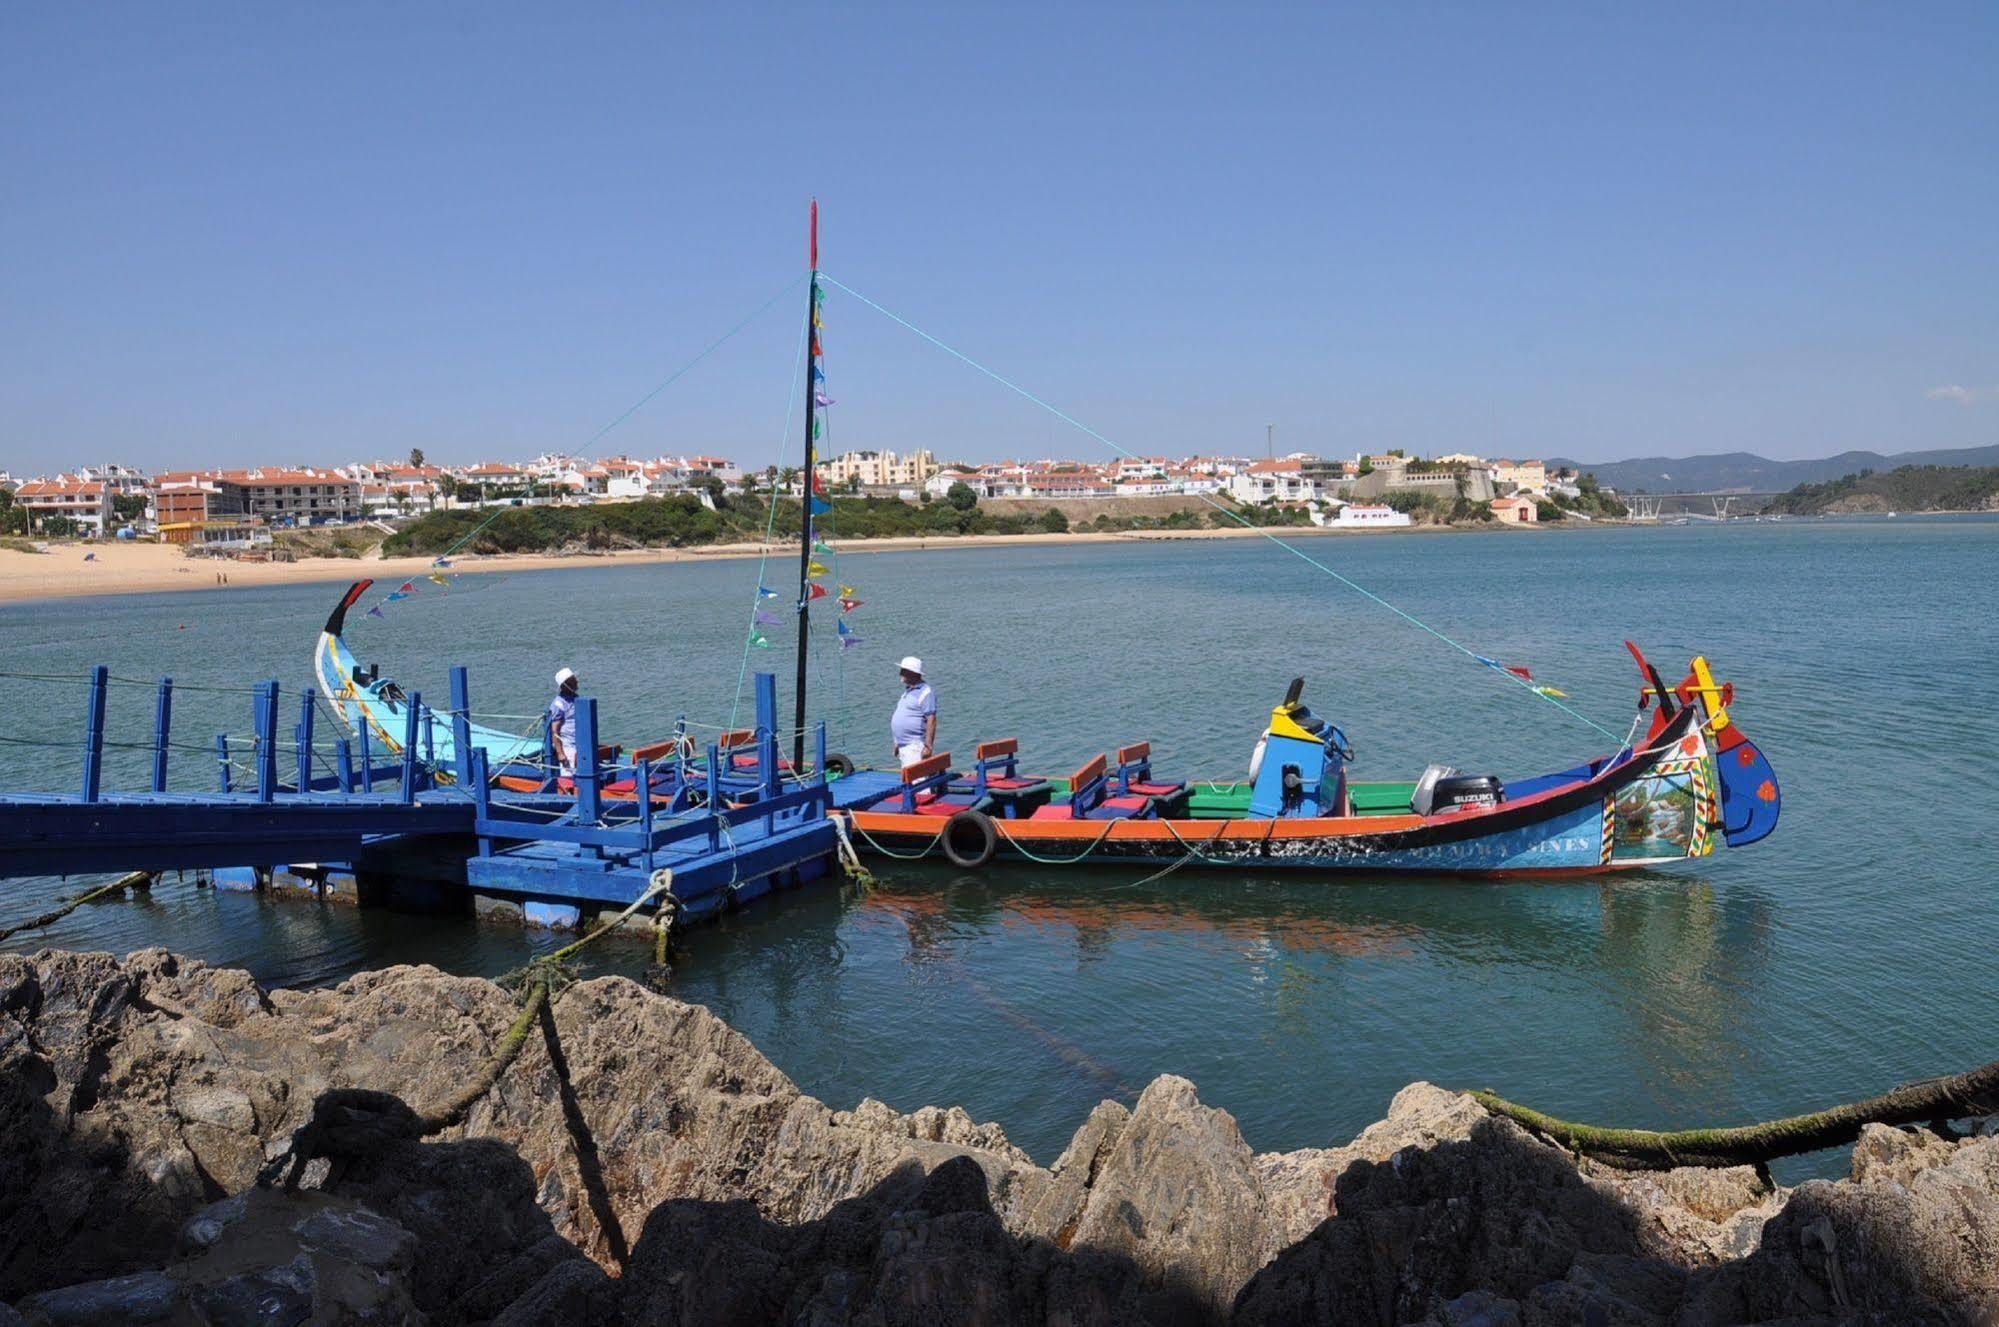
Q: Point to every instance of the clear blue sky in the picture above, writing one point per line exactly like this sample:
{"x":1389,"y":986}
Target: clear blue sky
{"x":310,"y":233}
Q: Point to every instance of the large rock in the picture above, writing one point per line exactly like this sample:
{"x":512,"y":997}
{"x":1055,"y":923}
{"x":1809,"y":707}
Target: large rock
{"x":641,"y":1137}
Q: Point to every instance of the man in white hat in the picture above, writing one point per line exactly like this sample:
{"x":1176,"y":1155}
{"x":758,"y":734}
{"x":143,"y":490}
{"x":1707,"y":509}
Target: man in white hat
{"x":913,"y":727}
{"x":562,"y":719}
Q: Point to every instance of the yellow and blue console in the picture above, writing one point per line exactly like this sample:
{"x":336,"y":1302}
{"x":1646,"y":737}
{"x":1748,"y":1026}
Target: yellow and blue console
{"x":1300,"y":765}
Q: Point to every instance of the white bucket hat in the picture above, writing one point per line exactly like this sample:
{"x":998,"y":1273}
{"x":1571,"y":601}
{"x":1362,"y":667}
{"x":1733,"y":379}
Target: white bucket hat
{"x":564,"y":675}
{"x":911,"y":664}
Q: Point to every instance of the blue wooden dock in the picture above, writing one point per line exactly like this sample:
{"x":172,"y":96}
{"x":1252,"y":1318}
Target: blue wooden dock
{"x":713,"y":829}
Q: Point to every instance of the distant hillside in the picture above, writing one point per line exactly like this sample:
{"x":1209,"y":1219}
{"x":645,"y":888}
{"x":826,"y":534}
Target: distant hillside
{"x":1747,"y":472}
{"x":1909,"y":488}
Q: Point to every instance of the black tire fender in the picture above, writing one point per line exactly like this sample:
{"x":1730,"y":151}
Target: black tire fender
{"x":838,"y":766}
{"x":969,"y":839}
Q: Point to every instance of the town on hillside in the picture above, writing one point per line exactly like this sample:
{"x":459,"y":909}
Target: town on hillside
{"x":223,"y":508}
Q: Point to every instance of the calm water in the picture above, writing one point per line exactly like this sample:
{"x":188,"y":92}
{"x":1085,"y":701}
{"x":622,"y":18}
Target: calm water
{"x":1853,"y":950}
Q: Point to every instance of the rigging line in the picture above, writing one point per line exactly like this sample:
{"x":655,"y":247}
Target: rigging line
{"x":713,"y":346}
{"x":1235,"y":516}
{"x":770,"y":522}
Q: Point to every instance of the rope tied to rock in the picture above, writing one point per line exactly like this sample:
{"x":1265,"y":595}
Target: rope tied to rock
{"x":352,"y":1123}
{"x":1929,"y":1101}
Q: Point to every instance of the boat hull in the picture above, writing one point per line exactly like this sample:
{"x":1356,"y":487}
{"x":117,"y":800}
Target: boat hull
{"x":1653,"y":808}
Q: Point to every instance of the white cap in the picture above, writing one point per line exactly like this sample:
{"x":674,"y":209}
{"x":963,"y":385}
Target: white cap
{"x":564,"y":675}
{"x":911,"y":664}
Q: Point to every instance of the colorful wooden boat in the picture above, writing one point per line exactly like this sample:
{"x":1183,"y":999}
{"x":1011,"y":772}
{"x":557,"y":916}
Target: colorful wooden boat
{"x":1694,"y":783}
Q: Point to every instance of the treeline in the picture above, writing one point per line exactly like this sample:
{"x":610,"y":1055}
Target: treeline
{"x":682,"y":521}
{"x":1908,"y":488}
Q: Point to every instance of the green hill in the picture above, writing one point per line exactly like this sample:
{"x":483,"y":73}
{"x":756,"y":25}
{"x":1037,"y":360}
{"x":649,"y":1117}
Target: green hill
{"x":1908,"y":488}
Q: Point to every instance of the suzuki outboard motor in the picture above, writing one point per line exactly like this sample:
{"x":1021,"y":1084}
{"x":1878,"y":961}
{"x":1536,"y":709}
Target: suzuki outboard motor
{"x":1300,"y":765}
{"x":1446,"y":788}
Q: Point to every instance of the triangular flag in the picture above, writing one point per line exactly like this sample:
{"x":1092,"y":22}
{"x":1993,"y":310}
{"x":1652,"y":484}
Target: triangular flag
{"x":765,"y":592}
{"x":844,"y":629}
{"x":814,"y":569}
{"x":409,"y":587}
{"x":394,"y":595}
{"x":846,"y":641}
{"x":822,"y":548}
{"x":1520,"y":673}
{"x":848,"y":603}
{"x":822,"y":400}
{"x":376,"y":611}
{"x":818,"y":374}
{"x":440,"y":578}
{"x":442,"y":562}
{"x":848,"y":591}
{"x":815,"y":319}
{"x":1551,"y":691}
{"x":764,"y":619}
{"x":820,"y":506}
{"x":758,"y":639}
{"x":818,"y":483}
{"x":815,"y":591}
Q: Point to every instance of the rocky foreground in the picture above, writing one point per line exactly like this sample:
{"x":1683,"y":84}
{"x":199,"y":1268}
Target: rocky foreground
{"x":642,"y":1163}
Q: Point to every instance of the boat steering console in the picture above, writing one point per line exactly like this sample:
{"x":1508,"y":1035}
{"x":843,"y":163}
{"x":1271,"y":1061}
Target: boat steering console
{"x":1299,"y":767}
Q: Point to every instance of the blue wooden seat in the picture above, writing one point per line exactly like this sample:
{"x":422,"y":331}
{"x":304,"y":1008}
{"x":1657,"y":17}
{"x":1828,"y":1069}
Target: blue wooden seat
{"x":996,"y":778}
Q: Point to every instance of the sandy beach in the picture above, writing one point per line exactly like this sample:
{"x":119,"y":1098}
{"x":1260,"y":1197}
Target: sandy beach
{"x":133,"y":568}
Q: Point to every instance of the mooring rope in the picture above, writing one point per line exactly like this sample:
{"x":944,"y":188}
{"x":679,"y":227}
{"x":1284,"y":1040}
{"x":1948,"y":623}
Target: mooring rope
{"x":135,"y":880}
{"x":1233,"y":515}
{"x":354,"y":1122}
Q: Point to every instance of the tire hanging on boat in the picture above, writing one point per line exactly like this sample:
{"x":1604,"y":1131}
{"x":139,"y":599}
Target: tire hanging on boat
{"x":969,"y":839}
{"x":838,"y":765}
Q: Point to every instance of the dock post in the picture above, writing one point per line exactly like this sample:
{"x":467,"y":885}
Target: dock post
{"x":304,"y":739}
{"x":589,"y":798}
{"x":715,"y":807}
{"x":409,"y":745}
{"x":461,"y":724}
{"x":482,"y":796}
{"x":343,"y":764}
{"x":773,"y":782}
{"x":267,"y":740}
{"x":93,"y":734}
{"x":367,"y":755}
{"x":163,"y":724}
{"x":222,"y":758}
{"x":643,"y":787}
{"x":818,"y":752}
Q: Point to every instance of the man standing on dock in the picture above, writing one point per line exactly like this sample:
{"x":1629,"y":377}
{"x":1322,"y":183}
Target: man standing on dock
{"x":562,"y":720}
{"x":913,"y":728}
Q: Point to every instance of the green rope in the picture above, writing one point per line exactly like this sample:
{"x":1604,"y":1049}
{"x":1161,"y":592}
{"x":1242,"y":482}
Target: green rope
{"x":1233,"y":515}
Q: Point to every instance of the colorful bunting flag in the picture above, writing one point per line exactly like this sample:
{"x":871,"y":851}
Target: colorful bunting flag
{"x":765,"y":592}
{"x":848,"y":603}
{"x":814,"y":569}
{"x":442,"y":562}
{"x":376,"y":611}
{"x":818,"y":374}
{"x":818,"y":427}
{"x":848,"y":592}
{"x":844,"y":629}
{"x":440,"y":578}
{"x":409,"y":587}
{"x":1551,"y":691}
{"x":848,"y":636}
{"x":758,"y":639}
{"x":820,"y":506}
{"x":394,"y":595}
{"x":821,"y":399}
{"x":1514,"y":669}
{"x":814,"y":591}
{"x":823,"y":549}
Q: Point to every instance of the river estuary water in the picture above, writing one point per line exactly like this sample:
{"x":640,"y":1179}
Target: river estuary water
{"x":1853,"y":950}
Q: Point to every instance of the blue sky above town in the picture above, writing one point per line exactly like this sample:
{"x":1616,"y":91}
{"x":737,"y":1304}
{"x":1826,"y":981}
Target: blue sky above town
{"x":253,"y":233}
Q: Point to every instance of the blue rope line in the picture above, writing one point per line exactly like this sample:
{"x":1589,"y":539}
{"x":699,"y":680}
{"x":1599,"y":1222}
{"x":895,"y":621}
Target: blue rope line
{"x":1235,"y":516}
{"x":683,"y":369}
{"x":770,"y":524}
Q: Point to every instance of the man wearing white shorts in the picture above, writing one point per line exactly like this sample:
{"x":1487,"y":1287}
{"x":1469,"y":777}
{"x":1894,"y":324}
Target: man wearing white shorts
{"x":913,"y":727}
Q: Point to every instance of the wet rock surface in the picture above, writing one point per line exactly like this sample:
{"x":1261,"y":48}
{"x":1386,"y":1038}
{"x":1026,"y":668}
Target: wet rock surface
{"x":643,"y":1163}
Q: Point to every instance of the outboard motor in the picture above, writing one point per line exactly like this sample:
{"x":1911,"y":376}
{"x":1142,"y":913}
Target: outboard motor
{"x":1446,"y":788}
{"x":1300,"y":765}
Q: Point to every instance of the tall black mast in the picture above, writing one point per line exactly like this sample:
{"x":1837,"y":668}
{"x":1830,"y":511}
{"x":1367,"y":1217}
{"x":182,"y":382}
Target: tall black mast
{"x":805,"y":496}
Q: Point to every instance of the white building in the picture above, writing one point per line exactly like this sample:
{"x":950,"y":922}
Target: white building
{"x":84,"y":501}
{"x":879,"y":469}
{"x":1272,"y":481}
{"x":1338,"y":515}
